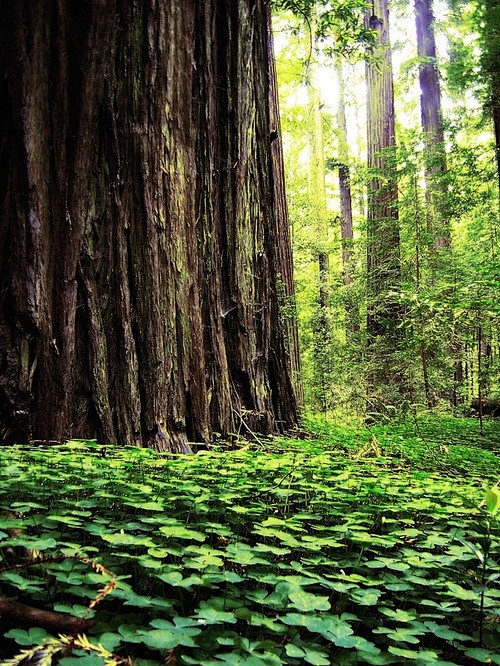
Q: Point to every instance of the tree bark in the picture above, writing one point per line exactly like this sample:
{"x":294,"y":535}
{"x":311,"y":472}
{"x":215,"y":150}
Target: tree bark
{"x":140,"y":246}
{"x":282,"y":236}
{"x":432,"y":126}
{"x":383,"y":242}
{"x":490,"y":15}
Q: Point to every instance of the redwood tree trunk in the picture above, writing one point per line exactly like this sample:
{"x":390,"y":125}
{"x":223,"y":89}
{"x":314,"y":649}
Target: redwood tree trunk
{"x":432,"y":126}
{"x":490,"y":14}
{"x":141,"y":249}
{"x":383,"y":241}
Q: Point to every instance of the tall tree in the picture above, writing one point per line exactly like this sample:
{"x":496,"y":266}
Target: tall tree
{"x":490,"y":16}
{"x":383,"y":242}
{"x":346,"y":217}
{"x":436,"y":199}
{"x":141,"y":246}
{"x":432,"y":126}
{"x":317,"y":178}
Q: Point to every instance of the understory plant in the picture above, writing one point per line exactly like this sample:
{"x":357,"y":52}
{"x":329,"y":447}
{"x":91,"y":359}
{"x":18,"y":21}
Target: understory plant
{"x":346,"y":549}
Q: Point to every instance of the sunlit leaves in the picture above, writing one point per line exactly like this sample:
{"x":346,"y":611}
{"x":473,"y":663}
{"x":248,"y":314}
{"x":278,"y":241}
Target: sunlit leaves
{"x":180,"y":532}
{"x":123,"y":539}
{"x":492,"y":499}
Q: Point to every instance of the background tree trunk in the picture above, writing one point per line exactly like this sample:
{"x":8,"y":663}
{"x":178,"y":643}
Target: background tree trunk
{"x":490,"y":14}
{"x":318,"y":198}
{"x":432,"y":126}
{"x":140,"y":246}
{"x":346,"y":217}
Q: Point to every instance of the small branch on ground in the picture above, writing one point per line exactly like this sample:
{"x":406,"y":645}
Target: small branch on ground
{"x":59,"y":623}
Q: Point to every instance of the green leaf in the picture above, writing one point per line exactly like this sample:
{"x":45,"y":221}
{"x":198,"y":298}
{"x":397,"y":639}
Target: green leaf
{"x":34,"y":636}
{"x":164,"y":639}
{"x":442,"y":631}
{"x":492,"y":499}
{"x":109,"y":640}
{"x":180,"y":532}
{"x":147,"y":506}
{"x":86,"y":660}
{"x":173,"y":578}
{"x":358,"y":643}
{"x":131,"y":633}
{"x":365,"y":597}
{"x":332,"y":627}
{"x":461,"y":593}
{"x":305,"y":601}
{"x":377,"y":659}
{"x":207,"y":614}
{"x":124,"y":539}
{"x":483,"y":655}
{"x":294,"y":650}
{"x":244,"y":555}
{"x":42,"y":543}
{"x":316,"y":657}
{"x":427,"y":656}
{"x":159,"y":552}
{"x":399,"y":615}
{"x":401,"y":634}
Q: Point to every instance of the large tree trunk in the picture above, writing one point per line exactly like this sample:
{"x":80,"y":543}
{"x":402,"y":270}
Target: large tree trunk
{"x":140,"y":246}
{"x":383,"y":243}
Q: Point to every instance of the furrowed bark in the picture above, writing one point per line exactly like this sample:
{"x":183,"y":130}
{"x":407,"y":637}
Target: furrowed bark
{"x":140,"y":244}
{"x":385,"y":374}
{"x":432,"y":126}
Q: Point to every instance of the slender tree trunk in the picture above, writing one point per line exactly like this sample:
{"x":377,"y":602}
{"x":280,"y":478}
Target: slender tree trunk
{"x":432,"y":125}
{"x":140,"y":246}
{"x":480,"y":391}
{"x":346,"y":218}
{"x":317,"y":186}
{"x":495,"y":101}
{"x":383,"y":244}
{"x":418,"y":287}
{"x":318,"y":183}
{"x":438,"y":213}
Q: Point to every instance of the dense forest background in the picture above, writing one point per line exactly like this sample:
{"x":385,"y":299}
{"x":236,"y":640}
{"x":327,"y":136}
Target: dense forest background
{"x":398,"y":307}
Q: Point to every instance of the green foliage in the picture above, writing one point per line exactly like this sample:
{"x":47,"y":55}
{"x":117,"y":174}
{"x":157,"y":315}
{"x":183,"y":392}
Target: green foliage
{"x":369,"y":546}
{"x":338,"y":26}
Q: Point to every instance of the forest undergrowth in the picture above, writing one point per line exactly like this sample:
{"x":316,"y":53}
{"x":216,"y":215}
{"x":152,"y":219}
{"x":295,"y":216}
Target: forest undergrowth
{"x":355,"y":546}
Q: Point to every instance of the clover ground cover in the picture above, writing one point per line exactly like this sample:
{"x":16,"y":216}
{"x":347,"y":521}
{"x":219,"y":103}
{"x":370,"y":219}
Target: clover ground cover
{"x":287,"y":553}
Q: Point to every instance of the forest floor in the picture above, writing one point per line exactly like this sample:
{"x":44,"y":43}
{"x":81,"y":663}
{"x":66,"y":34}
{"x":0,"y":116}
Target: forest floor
{"x":354,"y":546}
